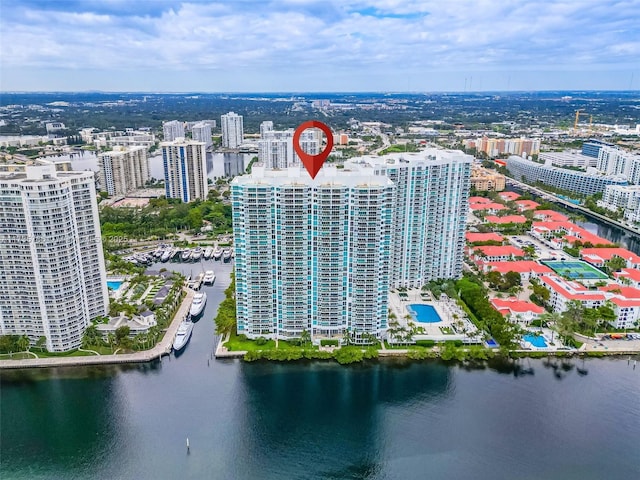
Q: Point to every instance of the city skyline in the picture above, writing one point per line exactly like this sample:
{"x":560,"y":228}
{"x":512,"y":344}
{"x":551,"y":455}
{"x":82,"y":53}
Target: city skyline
{"x":203,"y":46}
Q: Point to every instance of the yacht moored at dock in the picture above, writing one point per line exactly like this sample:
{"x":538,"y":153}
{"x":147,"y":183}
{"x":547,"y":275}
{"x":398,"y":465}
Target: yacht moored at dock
{"x":217,"y":253}
{"x":185,"y":256}
{"x":226,"y":255}
{"x":207,"y":253}
{"x":196,"y":255}
{"x":198,"y":303}
{"x":209,"y":277}
{"x":183,"y":335}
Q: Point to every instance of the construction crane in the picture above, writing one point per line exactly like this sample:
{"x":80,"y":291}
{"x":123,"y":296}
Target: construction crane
{"x":582,"y":112}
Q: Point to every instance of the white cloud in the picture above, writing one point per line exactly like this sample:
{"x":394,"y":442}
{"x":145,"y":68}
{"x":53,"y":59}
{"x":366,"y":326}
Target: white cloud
{"x":376,"y":38}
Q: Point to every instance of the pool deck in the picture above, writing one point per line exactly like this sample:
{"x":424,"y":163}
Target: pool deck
{"x":445,"y":309}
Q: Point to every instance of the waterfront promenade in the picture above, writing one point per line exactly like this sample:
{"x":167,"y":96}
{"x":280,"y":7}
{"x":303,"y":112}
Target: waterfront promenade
{"x":162,"y":348}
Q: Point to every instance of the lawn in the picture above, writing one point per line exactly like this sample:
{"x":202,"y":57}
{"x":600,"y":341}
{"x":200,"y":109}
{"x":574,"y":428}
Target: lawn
{"x":236,"y":343}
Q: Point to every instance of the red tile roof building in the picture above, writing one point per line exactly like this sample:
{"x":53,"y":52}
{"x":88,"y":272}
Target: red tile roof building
{"x":505,"y":219}
{"x":598,"y":256}
{"x":526,"y":268}
{"x":517,"y":311}
{"x":524,"y":205}
{"x":473,"y":237}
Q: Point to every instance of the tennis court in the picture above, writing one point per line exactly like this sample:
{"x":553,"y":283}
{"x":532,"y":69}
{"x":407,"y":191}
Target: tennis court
{"x":576,"y":270}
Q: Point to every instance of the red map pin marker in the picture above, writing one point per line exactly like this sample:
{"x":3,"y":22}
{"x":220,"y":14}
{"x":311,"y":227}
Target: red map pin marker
{"x":312,"y":163}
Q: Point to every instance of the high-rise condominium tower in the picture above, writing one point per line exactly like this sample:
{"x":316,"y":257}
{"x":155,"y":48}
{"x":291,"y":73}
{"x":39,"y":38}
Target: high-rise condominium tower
{"x":430,"y":209}
{"x":185,"y":169}
{"x":201,"y":132}
{"x":275,"y":148}
{"x":172,"y":130}
{"x":52,"y":270}
{"x":123,"y":169}
{"x":232,"y":130}
{"x":312,"y":254}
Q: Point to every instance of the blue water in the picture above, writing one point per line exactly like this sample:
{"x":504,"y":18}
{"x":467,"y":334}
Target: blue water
{"x":535,"y":341}
{"x":424,"y":313}
{"x":114,"y":284}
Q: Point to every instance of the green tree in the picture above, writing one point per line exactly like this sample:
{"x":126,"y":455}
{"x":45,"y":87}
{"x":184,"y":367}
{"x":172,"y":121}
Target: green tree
{"x":615,"y":264}
{"x":23,"y":343}
{"x":305,"y":337}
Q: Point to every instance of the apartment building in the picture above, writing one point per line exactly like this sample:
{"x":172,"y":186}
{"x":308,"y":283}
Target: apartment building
{"x":232,"y":130}
{"x":494,"y":147}
{"x":201,"y":132}
{"x":52,"y":270}
{"x":312,"y":254}
{"x":626,"y":198}
{"x":275,"y":148}
{"x":172,"y":130}
{"x":614,"y":161}
{"x":185,"y":169}
{"x":485,"y":180}
{"x":430,"y":211}
{"x":583,"y":183}
{"x":123,"y":169}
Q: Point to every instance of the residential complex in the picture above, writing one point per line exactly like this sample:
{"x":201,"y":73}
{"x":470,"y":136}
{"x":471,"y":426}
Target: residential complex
{"x":185,"y":169}
{"x":275,"y":148}
{"x":495,"y":147}
{"x":584,"y":183}
{"x":312,"y":254}
{"x":52,"y":271}
{"x":123,"y":169}
{"x":172,"y":130}
{"x":201,"y":132}
{"x":626,"y":197}
{"x":430,"y":211}
{"x":614,"y":161}
{"x":485,"y":180}
{"x":232,"y":130}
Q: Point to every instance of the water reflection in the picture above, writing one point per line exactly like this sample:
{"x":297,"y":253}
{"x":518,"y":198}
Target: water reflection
{"x":329,"y":413}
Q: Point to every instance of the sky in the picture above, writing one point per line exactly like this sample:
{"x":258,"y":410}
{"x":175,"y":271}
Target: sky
{"x":319,"y":46}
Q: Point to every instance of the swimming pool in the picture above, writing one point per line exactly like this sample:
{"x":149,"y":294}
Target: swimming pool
{"x":424,"y":313}
{"x":536,"y":341}
{"x":114,"y":284}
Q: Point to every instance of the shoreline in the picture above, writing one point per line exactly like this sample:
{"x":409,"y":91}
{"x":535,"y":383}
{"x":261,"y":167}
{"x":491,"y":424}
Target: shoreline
{"x":162,"y":348}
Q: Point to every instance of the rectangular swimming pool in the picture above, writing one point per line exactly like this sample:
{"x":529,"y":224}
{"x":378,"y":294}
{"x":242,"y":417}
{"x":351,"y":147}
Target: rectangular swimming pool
{"x":423,"y":313}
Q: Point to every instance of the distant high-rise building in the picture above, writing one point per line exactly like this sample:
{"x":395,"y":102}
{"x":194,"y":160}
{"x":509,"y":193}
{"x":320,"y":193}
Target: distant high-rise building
{"x":312,"y":254}
{"x":430,"y":211}
{"x":52,"y":270}
{"x":185,"y":169}
{"x":201,"y":132}
{"x":275,"y":148}
{"x":123,"y":169}
{"x":265,"y":126}
{"x":232,"y":130}
{"x":172,"y":130}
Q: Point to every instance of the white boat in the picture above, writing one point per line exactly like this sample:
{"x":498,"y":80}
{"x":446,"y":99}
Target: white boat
{"x":186,"y":255}
{"x":207,"y":253}
{"x":217,"y":253}
{"x":226,"y":255}
{"x":198,"y":303}
{"x":209,"y":277}
{"x":183,"y":335}
{"x":196,"y":255}
{"x":166,"y":255}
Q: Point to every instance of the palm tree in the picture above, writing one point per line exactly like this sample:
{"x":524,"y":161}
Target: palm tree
{"x":305,"y":337}
{"x":346,"y":337}
{"x":550,"y":318}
